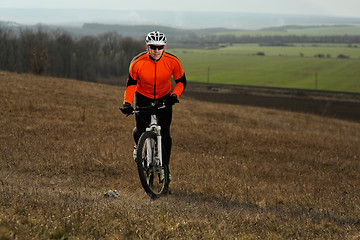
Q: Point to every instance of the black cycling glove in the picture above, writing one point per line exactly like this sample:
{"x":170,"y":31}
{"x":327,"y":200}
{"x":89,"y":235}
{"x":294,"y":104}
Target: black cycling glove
{"x":173,"y":99}
{"x":127,"y":109}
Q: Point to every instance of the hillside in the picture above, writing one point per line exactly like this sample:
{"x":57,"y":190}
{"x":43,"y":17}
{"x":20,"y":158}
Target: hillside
{"x":238,"y":171}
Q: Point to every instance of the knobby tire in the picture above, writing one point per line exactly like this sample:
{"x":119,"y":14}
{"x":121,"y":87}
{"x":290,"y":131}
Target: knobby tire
{"x":148,"y":176}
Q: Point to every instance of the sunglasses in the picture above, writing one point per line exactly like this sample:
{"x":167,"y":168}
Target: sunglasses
{"x":153,"y":47}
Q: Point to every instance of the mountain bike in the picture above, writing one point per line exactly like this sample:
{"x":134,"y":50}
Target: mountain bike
{"x":154,"y":175}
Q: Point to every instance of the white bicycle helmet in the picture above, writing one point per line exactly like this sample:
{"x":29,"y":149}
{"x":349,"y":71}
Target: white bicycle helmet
{"x":156,"y":38}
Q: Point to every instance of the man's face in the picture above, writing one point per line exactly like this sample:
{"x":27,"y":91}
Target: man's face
{"x":156,"y":51}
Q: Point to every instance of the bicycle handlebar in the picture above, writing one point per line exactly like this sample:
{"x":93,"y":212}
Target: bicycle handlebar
{"x":152,"y":107}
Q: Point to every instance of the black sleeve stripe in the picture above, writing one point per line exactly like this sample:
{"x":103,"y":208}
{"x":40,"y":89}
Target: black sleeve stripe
{"x":169,"y":55}
{"x":130,"y":81}
{"x":172,"y":55}
{"x":138,"y":56}
{"x":182,"y":80}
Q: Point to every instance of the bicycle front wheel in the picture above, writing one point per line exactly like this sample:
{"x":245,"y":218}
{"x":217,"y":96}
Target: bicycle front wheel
{"x":154,"y":177}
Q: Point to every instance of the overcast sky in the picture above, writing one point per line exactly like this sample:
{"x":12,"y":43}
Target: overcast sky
{"x":345,"y":8}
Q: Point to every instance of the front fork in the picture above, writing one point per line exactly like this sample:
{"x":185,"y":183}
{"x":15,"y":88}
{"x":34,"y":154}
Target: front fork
{"x":157,"y":129}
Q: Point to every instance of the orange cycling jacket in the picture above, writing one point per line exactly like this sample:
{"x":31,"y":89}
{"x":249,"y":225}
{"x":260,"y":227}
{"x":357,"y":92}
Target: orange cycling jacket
{"x":152,"y":79}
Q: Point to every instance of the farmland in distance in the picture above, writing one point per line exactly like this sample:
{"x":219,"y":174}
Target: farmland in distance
{"x":332,"y":67}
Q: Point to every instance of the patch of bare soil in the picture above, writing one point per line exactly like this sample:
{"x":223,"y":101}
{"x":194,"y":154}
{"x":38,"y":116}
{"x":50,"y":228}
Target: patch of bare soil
{"x":327,"y":104}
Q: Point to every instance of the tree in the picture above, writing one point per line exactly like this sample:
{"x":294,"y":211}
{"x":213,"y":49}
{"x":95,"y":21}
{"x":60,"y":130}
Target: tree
{"x":62,"y":51}
{"x":86,"y":52}
{"x":60,"y":54}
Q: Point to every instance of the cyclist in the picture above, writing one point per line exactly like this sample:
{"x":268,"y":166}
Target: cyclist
{"x":149,"y":80}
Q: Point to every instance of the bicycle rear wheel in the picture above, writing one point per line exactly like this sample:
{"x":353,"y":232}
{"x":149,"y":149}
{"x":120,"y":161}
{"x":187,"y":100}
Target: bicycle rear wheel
{"x":154,"y":177}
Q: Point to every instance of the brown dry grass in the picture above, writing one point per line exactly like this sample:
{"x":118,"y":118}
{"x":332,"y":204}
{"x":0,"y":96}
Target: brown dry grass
{"x":238,"y":172}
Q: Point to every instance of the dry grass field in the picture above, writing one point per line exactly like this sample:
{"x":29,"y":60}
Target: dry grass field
{"x":238,"y":172}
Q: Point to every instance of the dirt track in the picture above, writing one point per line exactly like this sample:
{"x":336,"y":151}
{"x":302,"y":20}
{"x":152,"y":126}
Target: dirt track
{"x":343,"y":107}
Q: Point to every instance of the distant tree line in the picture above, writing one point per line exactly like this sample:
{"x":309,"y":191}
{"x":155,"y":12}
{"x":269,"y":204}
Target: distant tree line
{"x":61,"y":54}
{"x":93,"y":58}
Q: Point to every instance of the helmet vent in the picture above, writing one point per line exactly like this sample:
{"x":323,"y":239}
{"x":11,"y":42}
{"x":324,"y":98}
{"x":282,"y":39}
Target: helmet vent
{"x":156,"y":38}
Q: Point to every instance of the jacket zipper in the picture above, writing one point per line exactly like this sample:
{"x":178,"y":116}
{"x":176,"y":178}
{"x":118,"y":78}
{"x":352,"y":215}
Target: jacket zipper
{"x":155,"y":83}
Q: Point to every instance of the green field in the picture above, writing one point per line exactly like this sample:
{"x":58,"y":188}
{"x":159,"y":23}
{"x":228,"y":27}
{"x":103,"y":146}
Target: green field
{"x":289,"y":67}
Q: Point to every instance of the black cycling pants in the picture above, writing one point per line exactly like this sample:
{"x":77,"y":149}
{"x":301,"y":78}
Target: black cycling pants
{"x":164,"y":120}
